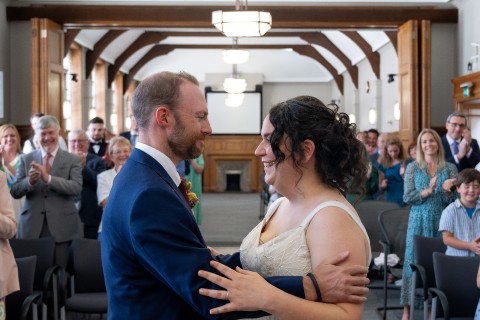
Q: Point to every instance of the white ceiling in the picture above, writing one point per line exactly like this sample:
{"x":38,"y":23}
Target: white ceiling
{"x":279,"y":65}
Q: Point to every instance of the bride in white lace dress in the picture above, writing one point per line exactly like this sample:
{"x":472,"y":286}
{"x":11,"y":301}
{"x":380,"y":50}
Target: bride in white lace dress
{"x":309,"y":152}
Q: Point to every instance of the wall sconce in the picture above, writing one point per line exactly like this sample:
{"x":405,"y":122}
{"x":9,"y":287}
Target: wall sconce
{"x":372,"y":116}
{"x":391,"y":77}
{"x":113,"y":119}
{"x":396,"y":111}
{"x":352,"y":117}
{"x":92,"y":113}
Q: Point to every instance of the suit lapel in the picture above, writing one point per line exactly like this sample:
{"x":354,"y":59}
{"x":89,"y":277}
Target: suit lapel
{"x":142,"y":157}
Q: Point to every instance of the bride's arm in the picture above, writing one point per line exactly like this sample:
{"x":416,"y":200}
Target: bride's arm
{"x":330,"y":232}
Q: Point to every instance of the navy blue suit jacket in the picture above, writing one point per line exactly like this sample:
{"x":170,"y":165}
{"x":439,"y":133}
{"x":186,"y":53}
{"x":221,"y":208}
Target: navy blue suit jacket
{"x":152,"y":250}
{"x":465,"y":162}
{"x":90,"y":211}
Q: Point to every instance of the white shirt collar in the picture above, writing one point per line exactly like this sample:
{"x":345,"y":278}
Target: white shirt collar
{"x":161,"y":158}
{"x":450,"y":140}
{"x":53,"y":153}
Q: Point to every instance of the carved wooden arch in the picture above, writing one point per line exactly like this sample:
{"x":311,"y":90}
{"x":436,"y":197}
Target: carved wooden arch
{"x":68,"y":39}
{"x":159,"y":50}
{"x":322,"y":40}
{"x":156,"y":51}
{"x":311,"y":52}
{"x":154,"y":37}
{"x":372,"y":57}
{"x":392,"y":35}
{"x":100,"y":45}
{"x":145,"y":39}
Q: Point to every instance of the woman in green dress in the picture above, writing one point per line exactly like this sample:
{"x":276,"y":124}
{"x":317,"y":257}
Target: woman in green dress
{"x":195,"y":177}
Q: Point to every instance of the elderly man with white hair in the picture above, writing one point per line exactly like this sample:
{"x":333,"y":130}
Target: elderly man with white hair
{"x":50,"y":178}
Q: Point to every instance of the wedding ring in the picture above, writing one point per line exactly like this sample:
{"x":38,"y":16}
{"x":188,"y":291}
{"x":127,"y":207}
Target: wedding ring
{"x":226,"y":297}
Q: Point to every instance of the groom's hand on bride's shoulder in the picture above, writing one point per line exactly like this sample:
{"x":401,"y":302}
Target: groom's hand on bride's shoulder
{"x":337,"y":283}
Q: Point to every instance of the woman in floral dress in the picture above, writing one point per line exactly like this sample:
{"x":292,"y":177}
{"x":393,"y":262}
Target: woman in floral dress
{"x":428,"y":181}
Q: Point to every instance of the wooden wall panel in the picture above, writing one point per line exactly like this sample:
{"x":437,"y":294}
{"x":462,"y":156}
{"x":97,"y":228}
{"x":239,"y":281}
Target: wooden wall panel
{"x":231,"y":148}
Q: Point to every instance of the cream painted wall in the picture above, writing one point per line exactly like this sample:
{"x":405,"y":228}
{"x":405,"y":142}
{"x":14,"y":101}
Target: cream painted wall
{"x":468,"y":32}
{"x":20,"y":73}
{"x":444,"y":62}
{"x":274,"y":93}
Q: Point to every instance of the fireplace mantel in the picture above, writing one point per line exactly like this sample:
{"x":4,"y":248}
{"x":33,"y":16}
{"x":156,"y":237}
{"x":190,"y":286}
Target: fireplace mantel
{"x":231,"y":148}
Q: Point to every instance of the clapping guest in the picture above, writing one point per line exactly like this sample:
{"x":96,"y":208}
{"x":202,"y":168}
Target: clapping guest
{"x":33,"y":142}
{"x":428,"y":184}
{"x":51,"y":179}
{"x":8,"y":228}
{"x":119,"y":151}
{"x":10,"y":159}
{"x":460,"y":221}
{"x":92,"y":165}
{"x":392,"y":168}
{"x":460,"y":148}
{"x":412,"y":152}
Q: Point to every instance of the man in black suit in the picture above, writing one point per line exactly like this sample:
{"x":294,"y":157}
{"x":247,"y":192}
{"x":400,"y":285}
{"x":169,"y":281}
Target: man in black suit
{"x":89,"y":210}
{"x":96,"y":136}
{"x":460,"y":148}
{"x":131,"y":135}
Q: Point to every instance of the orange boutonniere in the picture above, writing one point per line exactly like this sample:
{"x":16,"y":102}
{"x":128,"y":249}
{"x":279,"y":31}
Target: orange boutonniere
{"x":192,"y":198}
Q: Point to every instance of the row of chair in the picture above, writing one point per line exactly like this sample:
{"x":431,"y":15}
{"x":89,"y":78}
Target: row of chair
{"x":449,"y":282}
{"x":51,"y":291}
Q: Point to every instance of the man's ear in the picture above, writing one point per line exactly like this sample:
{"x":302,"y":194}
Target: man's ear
{"x":308,"y":149}
{"x":162,"y":116}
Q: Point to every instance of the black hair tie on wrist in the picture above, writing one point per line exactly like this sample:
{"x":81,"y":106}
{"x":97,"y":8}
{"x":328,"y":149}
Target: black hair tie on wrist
{"x":315,"y":285}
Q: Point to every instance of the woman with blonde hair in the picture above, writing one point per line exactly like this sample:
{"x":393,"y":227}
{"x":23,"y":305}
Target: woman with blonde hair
{"x":10,"y":152}
{"x":392,"y":168}
{"x":119,"y":149}
{"x":428,"y":184}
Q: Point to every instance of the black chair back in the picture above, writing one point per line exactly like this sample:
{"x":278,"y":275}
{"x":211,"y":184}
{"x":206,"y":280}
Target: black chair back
{"x":87,"y":266}
{"x":368,"y":211}
{"x":26,"y":275}
{"x":456,"y":277}
{"x":423,"y":249}
{"x":43,"y":248}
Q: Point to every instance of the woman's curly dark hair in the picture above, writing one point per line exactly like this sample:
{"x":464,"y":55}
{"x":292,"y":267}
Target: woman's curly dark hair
{"x":340,"y":157}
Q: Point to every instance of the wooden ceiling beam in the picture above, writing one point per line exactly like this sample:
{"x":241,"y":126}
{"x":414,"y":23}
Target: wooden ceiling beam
{"x":372,"y":57}
{"x":145,"y":39}
{"x":322,"y":40}
{"x":160,"y":50}
{"x":100,"y":45}
{"x":101,"y":16}
{"x":68,"y":39}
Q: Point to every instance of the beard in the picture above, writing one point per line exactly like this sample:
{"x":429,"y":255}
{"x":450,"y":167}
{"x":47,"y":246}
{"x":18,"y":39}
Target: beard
{"x":184,"y":143}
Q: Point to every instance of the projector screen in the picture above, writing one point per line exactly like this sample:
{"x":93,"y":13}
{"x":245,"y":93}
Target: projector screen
{"x":244,"y":119}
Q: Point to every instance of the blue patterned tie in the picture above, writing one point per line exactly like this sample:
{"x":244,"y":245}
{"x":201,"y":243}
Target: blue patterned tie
{"x":455,"y":147}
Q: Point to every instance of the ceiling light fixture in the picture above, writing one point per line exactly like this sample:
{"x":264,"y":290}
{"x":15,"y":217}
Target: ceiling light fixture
{"x":241,"y":22}
{"x":234,"y":84}
{"x":235,"y":55}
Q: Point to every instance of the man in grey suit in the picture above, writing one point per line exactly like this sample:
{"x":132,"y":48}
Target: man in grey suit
{"x":50,"y":178}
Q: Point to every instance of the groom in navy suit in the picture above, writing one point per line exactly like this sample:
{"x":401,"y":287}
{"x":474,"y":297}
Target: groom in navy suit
{"x":152,"y":247}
